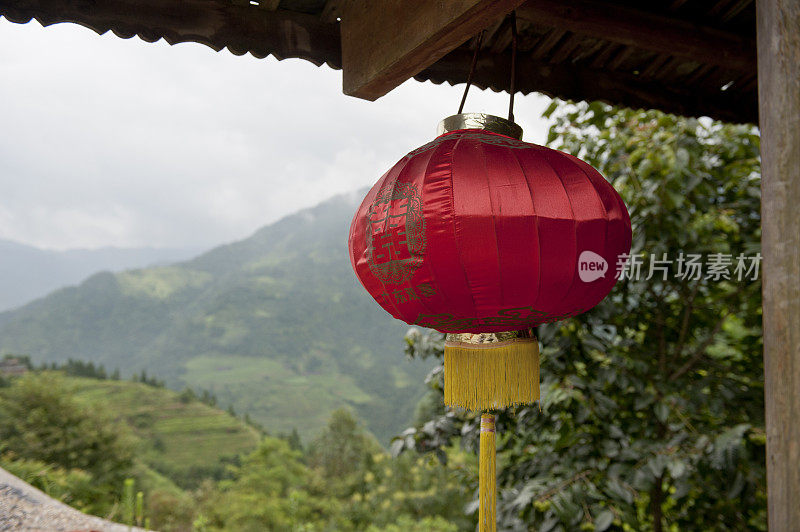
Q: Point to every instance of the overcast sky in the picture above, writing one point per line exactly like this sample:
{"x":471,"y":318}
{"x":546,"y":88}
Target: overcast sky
{"x":112,"y":142}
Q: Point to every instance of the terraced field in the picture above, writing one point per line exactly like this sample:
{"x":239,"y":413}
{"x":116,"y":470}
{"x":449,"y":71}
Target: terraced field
{"x":244,"y":380}
{"x":176,"y":437}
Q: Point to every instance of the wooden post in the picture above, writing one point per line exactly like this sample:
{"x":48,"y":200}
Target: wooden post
{"x":778,"y":23}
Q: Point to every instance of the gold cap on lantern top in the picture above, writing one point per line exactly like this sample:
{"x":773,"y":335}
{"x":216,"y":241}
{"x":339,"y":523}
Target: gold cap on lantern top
{"x":492,"y":123}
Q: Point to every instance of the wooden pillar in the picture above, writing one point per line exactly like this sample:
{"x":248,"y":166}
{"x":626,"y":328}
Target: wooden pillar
{"x":778,"y":24}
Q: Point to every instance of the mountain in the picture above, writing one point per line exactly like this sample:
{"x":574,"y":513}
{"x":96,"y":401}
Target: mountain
{"x":276,"y":325}
{"x":27,"y":272}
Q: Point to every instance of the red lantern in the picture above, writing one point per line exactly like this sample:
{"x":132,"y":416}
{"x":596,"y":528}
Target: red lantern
{"x":480,"y":232}
{"x":483,"y":236}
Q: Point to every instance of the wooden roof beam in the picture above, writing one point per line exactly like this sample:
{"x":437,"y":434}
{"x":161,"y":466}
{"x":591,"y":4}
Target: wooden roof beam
{"x":387,"y":42}
{"x":646,"y":31}
{"x":583,"y":83}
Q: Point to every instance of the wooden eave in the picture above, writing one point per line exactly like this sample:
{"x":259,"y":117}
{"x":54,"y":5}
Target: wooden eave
{"x":690,"y":57}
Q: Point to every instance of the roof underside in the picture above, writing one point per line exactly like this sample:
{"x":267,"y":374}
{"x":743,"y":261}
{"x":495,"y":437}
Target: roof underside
{"x":691,"y":57}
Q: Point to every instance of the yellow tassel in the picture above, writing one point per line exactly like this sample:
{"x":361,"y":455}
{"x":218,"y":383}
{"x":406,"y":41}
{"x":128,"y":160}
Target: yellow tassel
{"x":487,"y":479}
{"x":492,"y":375}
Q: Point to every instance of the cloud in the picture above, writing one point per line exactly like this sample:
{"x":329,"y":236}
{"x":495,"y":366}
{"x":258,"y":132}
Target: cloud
{"x":120,"y":142}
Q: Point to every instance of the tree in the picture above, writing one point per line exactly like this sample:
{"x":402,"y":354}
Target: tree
{"x":407,"y":524}
{"x":268,"y":492}
{"x":41,"y":422}
{"x":414,"y":488}
{"x":342,"y":452}
{"x":295,"y":443}
{"x":652,"y":403}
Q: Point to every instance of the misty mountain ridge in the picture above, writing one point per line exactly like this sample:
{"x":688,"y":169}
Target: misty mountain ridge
{"x":28,"y":272}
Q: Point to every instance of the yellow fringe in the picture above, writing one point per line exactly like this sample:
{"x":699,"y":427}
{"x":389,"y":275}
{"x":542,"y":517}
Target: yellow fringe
{"x":487,"y":479}
{"x":491,"y":376}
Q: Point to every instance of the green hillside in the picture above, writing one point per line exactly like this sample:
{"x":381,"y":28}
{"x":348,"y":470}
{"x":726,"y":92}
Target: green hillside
{"x":276,"y":325}
{"x":176,"y":436}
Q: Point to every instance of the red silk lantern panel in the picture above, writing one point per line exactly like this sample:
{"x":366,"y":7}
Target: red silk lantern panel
{"x":479,"y":232}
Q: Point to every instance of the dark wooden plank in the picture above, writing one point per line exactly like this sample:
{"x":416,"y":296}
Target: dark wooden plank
{"x":240,"y":27}
{"x":676,"y":4}
{"x":587,"y":49}
{"x":547,"y":43}
{"x":620,"y":57}
{"x":718,"y":7}
{"x":700,"y":74}
{"x":607,"y":52}
{"x":578,"y":82}
{"x":499,"y":35}
{"x":644,"y":30}
{"x":656,"y":65}
{"x":565,"y":48}
{"x":734,"y":9}
{"x":748,"y":83}
{"x":386,"y":42}
{"x":779,"y":109}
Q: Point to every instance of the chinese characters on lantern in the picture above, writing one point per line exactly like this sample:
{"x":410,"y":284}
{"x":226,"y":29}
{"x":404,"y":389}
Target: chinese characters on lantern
{"x":409,"y":293}
{"x":390,"y":245}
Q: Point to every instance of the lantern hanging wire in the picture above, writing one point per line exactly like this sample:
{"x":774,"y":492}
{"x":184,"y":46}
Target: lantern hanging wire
{"x":512,"y":83}
{"x":479,"y":39}
{"x":513,"y":75}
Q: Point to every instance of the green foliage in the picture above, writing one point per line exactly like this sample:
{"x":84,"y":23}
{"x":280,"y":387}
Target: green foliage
{"x":39,"y":420}
{"x":150,"y":381}
{"x":276,"y":325}
{"x":139,"y":509}
{"x":165,"y":438}
{"x":74,"y":453}
{"x":416,"y":488}
{"x":267,"y":492}
{"x":71,"y":486}
{"x":79,"y":368}
{"x":170,"y":510}
{"x":652,"y":403}
{"x":407,"y":524}
{"x":294,"y":441}
{"x":341,"y":453}
{"x":343,"y":483}
{"x":128,"y":502}
{"x":132,"y":505}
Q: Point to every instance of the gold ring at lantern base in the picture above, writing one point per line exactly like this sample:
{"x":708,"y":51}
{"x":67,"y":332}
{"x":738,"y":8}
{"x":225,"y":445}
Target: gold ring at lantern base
{"x":491,"y":370}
